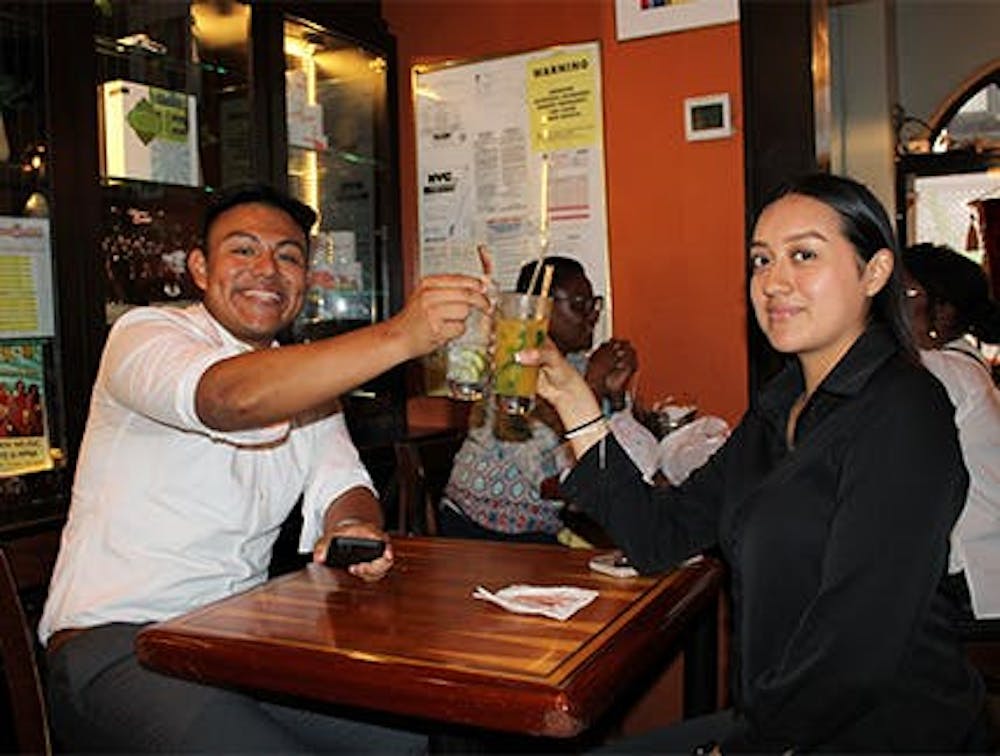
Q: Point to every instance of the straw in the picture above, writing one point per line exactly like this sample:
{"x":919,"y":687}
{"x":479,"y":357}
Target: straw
{"x":543,"y":223}
{"x":536,"y":271}
{"x":546,"y":283}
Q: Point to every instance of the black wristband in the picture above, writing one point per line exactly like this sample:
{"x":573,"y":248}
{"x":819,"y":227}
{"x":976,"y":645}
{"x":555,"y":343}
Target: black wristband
{"x":583,"y":427}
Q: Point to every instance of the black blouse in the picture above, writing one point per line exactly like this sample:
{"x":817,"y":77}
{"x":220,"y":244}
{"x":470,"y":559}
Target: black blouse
{"x":842,"y":638}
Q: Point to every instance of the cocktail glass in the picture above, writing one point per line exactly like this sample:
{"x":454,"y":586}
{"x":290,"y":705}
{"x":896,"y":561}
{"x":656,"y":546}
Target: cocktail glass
{"x":522,"y":321}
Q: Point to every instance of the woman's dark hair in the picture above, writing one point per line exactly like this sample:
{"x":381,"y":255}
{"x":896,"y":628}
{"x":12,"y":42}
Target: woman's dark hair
{"x":256,"y":194}
{"x":866,"y":225}
{"x":563,"y":268}
{"x":948,"y":276}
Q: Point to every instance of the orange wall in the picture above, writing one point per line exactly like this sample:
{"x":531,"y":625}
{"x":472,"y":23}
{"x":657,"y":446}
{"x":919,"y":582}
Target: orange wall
{"x":675,"y":208}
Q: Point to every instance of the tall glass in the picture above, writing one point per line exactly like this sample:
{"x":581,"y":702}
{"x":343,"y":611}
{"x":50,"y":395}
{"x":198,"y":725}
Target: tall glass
{"x":467,"y":358}
{"x":522,"y":321}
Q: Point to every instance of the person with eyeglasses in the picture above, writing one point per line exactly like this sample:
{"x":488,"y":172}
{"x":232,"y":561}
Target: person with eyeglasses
{"x":495,"y":488}
{"x":950,"y":309}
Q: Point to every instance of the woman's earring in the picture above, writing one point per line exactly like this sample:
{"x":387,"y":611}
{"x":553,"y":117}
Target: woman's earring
{"x":932,"y":334}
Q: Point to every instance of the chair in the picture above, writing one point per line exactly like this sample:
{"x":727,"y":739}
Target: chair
{"x":20,"y":668}
{"x":423,"y":465}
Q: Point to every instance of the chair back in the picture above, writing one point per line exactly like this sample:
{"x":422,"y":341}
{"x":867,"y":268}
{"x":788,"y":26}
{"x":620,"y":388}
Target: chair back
{"x":423,"y":465}
{"x":20,"y":668}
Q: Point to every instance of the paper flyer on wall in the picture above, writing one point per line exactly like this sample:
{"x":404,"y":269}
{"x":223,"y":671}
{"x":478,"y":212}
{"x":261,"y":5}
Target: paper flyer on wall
{"x":510,"y":154}
{"x":26,"y":305}
{"x":149,"y":133}
{"x":24,"y":438}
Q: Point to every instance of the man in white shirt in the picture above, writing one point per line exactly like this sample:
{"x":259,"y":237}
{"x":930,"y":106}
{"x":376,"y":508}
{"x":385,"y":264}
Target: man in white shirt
{"x":200,"y":440}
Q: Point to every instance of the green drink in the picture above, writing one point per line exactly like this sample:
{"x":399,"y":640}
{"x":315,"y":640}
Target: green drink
{"x":522,"y":322}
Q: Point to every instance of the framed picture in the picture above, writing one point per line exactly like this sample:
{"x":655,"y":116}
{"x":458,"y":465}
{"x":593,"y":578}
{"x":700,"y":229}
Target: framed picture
{"x":707,"y":117}
{"x":644,"y":18}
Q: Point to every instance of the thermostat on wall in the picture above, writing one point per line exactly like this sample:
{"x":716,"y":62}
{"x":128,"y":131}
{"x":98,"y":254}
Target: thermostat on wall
{"x":707,"y":117}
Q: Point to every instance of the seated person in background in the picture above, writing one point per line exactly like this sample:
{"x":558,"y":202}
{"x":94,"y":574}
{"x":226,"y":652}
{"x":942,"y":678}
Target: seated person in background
{"x":949,"y":303}
{"x":495,"y":486}
{"x":201,"y":437}
{"x":832,"y":502}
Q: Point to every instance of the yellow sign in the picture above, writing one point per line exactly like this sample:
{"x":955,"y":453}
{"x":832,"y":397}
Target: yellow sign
{"x":562,"y":102}
{"x":24,"y":455}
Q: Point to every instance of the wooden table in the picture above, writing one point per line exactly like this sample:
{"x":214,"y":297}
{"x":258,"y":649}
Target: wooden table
{"x":418,"y":644}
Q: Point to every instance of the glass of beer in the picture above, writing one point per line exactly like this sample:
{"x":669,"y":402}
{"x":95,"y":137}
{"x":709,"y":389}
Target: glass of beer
{"x":522,"y":320}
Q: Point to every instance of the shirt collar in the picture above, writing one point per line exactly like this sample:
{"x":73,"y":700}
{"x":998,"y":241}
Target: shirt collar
{"x":848,"y":377}
{"x":225,"y":335}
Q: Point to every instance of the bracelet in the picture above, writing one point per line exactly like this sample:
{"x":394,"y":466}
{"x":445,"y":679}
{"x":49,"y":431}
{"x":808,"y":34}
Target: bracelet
{"x":579,"y":430}
{"x":345,"y":522}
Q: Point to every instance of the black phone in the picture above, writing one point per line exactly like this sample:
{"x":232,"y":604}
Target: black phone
{"x":348,"y":550}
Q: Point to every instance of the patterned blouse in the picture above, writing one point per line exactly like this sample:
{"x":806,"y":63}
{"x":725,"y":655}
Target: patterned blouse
{"x":497,"y":475}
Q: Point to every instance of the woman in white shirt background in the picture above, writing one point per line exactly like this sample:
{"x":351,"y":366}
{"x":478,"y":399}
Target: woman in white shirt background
{"x":952,"y":316}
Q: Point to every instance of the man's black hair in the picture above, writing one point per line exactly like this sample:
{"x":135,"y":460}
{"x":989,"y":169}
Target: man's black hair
{"x":256,"y":194}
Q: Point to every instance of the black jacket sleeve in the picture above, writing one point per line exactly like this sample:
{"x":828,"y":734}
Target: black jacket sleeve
{"x":656,"y":526}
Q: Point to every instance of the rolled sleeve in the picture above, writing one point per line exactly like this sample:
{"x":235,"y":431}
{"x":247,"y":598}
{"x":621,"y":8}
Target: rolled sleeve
{"x":153,"y":363}
{"x":338,"y":469}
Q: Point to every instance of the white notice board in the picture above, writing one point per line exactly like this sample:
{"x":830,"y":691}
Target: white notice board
{"x":510,"y":152}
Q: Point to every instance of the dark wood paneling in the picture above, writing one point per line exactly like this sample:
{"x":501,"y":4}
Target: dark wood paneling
{"x":75,"y":205}
{"x":779,"y":122}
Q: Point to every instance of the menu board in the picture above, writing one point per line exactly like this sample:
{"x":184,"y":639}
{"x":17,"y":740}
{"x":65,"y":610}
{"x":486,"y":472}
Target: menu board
{"x":26,"y":307}
{"x":510,"y":153}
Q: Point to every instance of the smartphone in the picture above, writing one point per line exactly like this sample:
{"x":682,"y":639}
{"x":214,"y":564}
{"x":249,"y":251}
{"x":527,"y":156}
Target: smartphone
{"x":614,"y":563}
{"x":348,"y":550}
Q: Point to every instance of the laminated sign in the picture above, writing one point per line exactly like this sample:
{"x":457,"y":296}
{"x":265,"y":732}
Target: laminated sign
{"x":150,"y":134}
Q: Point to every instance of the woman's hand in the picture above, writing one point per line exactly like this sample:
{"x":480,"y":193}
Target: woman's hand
{"x":561,"y":385}
{"x":610,"y":368}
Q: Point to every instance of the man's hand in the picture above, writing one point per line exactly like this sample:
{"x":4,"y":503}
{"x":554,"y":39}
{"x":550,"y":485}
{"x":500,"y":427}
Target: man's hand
{"x":357,"y":513}
{"x":369,"y":571}
{"x":436,"y":310}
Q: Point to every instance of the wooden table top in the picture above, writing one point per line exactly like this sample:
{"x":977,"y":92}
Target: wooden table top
{"x":416,"y":643}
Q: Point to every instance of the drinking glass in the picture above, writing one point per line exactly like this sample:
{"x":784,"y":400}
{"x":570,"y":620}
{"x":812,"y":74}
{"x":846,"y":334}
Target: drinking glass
{"x":522,"y":321}
{"x":467,"y":358}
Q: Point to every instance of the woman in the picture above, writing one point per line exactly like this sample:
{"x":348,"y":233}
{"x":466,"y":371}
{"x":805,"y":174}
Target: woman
{"x":495,"y":486}
{"x":832,"y":502}
{"x":950,"y":306}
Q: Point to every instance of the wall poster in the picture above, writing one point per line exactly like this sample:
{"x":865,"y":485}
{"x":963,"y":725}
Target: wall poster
{"x":510,"y":152}
{"x":24,"y":439}
{"x":26,"y":305}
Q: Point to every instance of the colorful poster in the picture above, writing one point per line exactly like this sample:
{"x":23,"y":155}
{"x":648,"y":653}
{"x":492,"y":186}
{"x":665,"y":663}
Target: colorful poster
{"x":24,"y":438}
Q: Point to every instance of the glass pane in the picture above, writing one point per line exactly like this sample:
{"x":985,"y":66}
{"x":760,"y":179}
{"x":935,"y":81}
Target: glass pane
{"x":976,"y":124}
{"x":32,"y":418}
{"x":334,"y":94}
{"x":175,"y":106}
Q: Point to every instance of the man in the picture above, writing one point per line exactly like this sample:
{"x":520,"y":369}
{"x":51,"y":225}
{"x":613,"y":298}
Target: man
{"x":200,"y":439}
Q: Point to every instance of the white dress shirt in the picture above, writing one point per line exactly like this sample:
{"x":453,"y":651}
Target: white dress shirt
{"x":168,"y":514}
{"x":975,"y":540}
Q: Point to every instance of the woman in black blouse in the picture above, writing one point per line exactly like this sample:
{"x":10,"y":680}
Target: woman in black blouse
{"x":832,"y":503}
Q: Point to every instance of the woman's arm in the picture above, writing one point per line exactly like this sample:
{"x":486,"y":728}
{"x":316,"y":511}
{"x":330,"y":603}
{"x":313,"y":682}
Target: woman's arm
{"x":657,"y":527}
